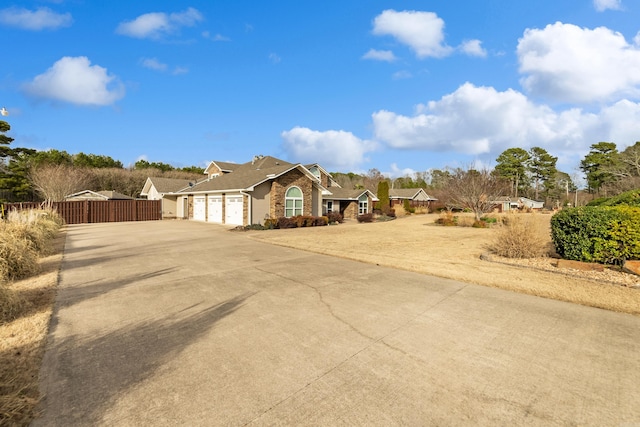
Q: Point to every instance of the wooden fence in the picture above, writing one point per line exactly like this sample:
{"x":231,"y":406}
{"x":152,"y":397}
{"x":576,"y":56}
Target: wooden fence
{"x":92,"y":211}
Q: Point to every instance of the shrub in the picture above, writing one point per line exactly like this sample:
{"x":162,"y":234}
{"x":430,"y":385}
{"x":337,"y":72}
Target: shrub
{"x":608,"y":235}
{"x":18,"y":257}
{"x":284,"y":222}
{"x":407,"y":207}
{"x":335,"y":217}
{"x":479,"y":224}
{"x":391,"y":213}
{"x":368,"y":217}
{"x":628,"y":198}
{"x":270,"y":223}
{"x":320,"y":221}
{"x":446,"y":219}
{"x":520,"y":238}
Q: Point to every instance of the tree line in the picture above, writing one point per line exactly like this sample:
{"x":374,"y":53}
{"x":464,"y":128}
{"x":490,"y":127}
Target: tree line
{"x":27,"y":174}
{"x":31,"y":175}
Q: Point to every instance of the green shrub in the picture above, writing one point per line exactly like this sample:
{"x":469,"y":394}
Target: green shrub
{"x":407,"y":207}
{"x":607,"y":235}
{"x":446,"y":219}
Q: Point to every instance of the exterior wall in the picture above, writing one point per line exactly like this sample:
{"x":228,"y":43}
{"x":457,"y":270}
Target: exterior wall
{"x":245,"y":210}
{"x":169,"y":207}
{"x":316,"y":208}
{"x":213,"y":170}
{"x":153,"y":194}
{"x":260,"y":202}
{"x":190,"y":207}
{"x":349,"y":209}
{"x":279,"y":187}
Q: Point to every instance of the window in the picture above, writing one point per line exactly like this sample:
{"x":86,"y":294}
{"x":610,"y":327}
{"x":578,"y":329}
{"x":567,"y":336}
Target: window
{"x":329,"y":205}
{"x":293,"y":202}
{"x":315,"y":171}
{"x":363,"y":204}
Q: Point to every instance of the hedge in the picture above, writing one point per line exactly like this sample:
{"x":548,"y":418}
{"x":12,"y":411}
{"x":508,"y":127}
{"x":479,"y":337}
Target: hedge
{"x":607,"y":235}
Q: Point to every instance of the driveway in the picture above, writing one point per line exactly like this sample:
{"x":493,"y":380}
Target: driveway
{"x":185,"y":323}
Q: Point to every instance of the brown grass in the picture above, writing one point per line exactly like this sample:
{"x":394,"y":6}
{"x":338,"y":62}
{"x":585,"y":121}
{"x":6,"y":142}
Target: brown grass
{"x":415,"y":243}
{"x":26,"y":307}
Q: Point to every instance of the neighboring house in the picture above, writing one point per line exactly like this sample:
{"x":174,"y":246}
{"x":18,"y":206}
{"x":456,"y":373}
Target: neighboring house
{"x":350,"y":203}
{"x":249,"y":193}
{"x":505,"y":204}
{"x":97,"y":195}
{"x":416,"y":196}
{"x":155,"y":188}
{"x":530,"y":204}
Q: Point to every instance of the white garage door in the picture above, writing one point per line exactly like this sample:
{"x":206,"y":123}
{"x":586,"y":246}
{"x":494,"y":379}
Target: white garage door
{"x":233,"y":210}
{"x":199,"y":208}
{"x":215,"y":209}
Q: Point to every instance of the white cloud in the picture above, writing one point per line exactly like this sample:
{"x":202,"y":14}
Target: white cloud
{"x":480,"y":120}
{"x":421,"y":31}
{"x":216,"y":38}
{"x":337,"y":150}
{"x":40,"y":19}
{"x":380,"y":55}
{"x":473,"y":48}
{"x":402,"y":74}
{"x":396,"y":172}
{"x":153,"y":64}
{"x":180,"y":70}
{"x":567,"y":63}
{"x":602,"y":5}
{"x":75,"y":80}
{"x":157,"y":24}
{"x":274,"y":58}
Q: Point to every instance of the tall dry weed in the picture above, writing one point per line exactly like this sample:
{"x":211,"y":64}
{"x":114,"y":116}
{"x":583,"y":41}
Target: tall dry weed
{"x":521,"y":237}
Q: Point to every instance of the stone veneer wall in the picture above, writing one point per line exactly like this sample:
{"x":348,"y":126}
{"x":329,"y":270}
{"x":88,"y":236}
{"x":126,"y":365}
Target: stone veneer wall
{"x":280,"y":186}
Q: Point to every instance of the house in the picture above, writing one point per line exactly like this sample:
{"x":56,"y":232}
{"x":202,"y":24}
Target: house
{"x":97,"y":195}
{"x":416,"y":196}
{"x":505,"y":204}
{"x":350,"y":203}
{"x":158,"y":188}
{"x":249,"y":193}
{"x":530,"y":204}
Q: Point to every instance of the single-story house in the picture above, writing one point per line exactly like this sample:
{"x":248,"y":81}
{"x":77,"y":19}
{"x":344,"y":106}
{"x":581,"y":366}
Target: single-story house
{"x":249,"y":193}
{"x":416,"y":196}
{"x":97,"y":195}
{"x":155,"y":188}
{"x":505,"y":204}
{"x":530,"y":204}
{"x":350,"y":203}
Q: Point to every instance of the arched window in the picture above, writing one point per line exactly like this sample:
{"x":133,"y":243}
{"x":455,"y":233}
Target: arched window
{"x":363,"y":204}
{"x":293,"y":202}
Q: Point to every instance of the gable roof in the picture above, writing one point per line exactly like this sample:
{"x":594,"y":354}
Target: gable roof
{"x":408,"y":193}
{"x":105,"y":195}
{"x":164,"y":185}
{"x":248,"y":175}
{"x":338,"y":193}
{"x":223,"y":166}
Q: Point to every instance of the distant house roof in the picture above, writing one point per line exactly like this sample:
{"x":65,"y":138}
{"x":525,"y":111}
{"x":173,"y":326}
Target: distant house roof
{"x":98,"y":195}
{"x":164,"y":185}
{"x":409,"y":193}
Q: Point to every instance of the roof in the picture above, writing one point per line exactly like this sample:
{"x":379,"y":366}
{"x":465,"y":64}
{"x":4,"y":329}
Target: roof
{"x":248,"y":175}
{"x":166,"y":185}
{"x":338,"y":193}
{"x":223,"y":166}
{"x":106,"y":195}
{"x":407,"y":193}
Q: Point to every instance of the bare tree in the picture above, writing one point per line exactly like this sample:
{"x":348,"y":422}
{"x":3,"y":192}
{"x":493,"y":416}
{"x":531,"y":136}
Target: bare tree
{"x":476,"y":190}
{"x":54,"y":182}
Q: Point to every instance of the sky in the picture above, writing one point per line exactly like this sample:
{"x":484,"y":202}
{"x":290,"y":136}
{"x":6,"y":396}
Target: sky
{"x":399,"y":86}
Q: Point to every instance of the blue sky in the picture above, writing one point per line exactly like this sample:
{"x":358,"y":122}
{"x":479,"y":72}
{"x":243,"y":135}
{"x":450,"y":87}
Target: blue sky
{"x":400,"y":86}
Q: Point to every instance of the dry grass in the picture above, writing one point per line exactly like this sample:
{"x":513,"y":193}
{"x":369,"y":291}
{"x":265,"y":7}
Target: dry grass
{"x":26,"y":307}
{"x":415,"y":243}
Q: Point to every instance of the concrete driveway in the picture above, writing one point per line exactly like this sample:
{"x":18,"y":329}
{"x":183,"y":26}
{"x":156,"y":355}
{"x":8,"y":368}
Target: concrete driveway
{"x":183,"y":323}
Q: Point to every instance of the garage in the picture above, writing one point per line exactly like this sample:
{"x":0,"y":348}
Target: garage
{"x":233,"y":210}
{"x":214,"y":214}
{"x":199,"y":208}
